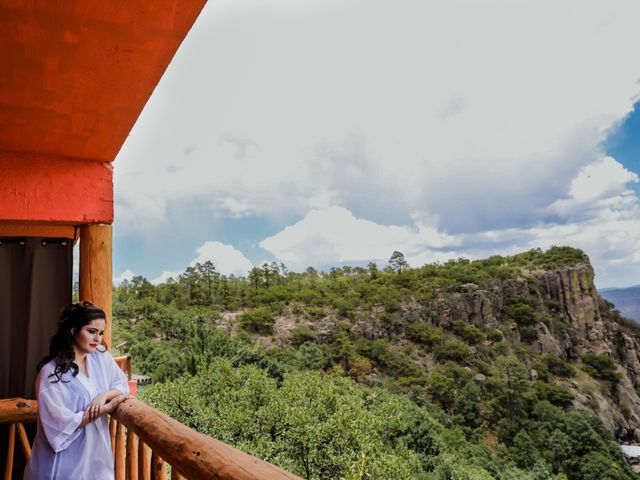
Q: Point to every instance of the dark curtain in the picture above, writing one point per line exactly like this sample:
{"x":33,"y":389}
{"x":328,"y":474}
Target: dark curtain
{"x":35,"y":285}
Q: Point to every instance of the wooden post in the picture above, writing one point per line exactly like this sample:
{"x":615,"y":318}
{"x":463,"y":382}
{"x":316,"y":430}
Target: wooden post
{"x":24,"y":441}
{"x":158,"y":468}
{"x":120,"y":452}
{"x":113,"y":425}
{"x":8,"y":470}
{"x":96,"y":274}
{"x":132,"y":456}
{"x":144,"y":461}
{"x":175,"y":474}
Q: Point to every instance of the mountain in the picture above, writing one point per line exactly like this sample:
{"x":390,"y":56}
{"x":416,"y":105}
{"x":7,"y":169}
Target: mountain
{"x":513,"y":364}
{"x":627,"y":300}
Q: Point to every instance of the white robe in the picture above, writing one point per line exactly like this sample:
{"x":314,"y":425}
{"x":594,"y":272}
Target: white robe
{"x":62,"y":450}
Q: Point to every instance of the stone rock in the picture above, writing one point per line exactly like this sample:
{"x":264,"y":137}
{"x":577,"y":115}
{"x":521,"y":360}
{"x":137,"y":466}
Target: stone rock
{"x":479,"y":378}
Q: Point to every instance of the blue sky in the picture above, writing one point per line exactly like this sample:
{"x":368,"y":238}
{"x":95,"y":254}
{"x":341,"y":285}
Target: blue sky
{"x":334,"y":132}
{"x":623,"y":144}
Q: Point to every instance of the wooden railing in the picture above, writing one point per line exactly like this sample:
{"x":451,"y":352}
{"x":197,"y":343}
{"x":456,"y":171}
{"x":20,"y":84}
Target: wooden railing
{"x":146,"y":443}
{"x":16,"y":412}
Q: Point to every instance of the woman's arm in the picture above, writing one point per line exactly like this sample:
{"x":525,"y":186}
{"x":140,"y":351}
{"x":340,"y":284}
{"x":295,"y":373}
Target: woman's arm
{"x":91,"y":413}
{"x":99,"y":402}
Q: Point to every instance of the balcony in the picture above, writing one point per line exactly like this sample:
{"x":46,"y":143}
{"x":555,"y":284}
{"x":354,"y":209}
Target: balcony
{"x":148,"y":445}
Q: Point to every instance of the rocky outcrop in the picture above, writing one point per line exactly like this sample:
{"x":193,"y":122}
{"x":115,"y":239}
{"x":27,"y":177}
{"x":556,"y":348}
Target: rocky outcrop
{"x":566,"y":297}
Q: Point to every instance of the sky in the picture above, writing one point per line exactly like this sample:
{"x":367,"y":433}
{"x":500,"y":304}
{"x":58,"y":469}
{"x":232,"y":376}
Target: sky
{"x":322,"y":133}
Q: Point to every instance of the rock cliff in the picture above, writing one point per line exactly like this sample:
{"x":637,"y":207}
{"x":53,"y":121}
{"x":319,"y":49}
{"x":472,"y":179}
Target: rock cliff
{"x":567,"y":298}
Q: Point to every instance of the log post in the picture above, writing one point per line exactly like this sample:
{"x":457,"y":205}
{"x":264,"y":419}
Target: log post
{"x":120,"y":452}
{"x":96,"y":274}
{"x":24,"y":441}
{"x":113,"y":425}
{"x":144,"y":461}
{"x":175,"y":474}
{"x":8,"y":470}
{"x":132,"y":456}
{"x":158,"y":468}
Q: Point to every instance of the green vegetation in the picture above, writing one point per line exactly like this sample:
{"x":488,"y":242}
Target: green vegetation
{"x":344,"y":374}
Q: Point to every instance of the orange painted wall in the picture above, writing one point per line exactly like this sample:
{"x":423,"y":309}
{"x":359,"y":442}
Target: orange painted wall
{"x":45,"y":189}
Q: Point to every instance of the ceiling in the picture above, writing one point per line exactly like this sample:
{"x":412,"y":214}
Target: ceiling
{"x":75,"y":74}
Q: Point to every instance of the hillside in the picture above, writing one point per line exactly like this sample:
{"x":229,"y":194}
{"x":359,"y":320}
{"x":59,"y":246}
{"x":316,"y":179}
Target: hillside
{"x":505,"y":351}
{"x":626,"y":300}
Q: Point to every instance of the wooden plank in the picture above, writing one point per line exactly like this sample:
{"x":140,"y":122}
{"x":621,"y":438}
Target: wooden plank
{"x":24,"y":441}
{"x":119,"y":453}
{"x":96,"y":277}
{"x":12,"y":229}
{"x":132,"y":456}
{"x":175,"y":474}
{"x":144,"y":462}
{"x":124,"y":362}
{"x":18,"y":410}
{"x":8,"y":469}
{"x":113,"y":425}
{"x":158,"y":467}
{"x":195,"y":455}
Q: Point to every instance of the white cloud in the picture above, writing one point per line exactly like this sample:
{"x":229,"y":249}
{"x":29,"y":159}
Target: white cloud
{"x":610,"y":234}
{"x":457,"y":110}
{"x":227,"y":259}
{"x":126,"y":275}
{"x":601,"y":185}
{"x":441,"y":128}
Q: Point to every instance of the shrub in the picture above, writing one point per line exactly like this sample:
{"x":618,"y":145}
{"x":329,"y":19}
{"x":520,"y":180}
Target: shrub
{"x":260,"y":320}
{"x":301,"y":335}
{"x":456,"y":351}
{"x":494,"y":335}
{"x":315,"y":313}
{"x":601,"y":367}
{"x":558,"y":367}
{"x":555,"y":394}
{"x":521,"y":310}
{"x":528,"y":333}
{"x":423,"y":334}
{"x":472,"y":335}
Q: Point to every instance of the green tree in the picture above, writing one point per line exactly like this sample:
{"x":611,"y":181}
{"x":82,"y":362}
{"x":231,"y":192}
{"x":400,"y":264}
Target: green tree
{"x":397,"y":262}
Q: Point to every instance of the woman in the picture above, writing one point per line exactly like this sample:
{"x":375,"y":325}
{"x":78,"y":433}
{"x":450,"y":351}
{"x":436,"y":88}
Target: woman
{"x":77,"y":385}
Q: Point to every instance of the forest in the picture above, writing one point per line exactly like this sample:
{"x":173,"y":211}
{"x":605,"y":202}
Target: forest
{"x":344,"y":374}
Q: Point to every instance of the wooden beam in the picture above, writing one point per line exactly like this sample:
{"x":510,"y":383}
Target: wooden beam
{"x":55,"y":190}
{"x":96,"y":276}
{"x":14,"y":410}
{"x":11,"y":229}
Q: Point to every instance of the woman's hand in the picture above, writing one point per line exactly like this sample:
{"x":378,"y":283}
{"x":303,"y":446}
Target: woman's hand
{"x":96,"y":404}
{"x":104,"y":409}
{"x":113,"y":404}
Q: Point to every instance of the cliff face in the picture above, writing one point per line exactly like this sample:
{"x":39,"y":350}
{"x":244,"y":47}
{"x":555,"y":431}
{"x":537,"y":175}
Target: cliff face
{"x":590,"y":326}
{"x":573,"y":321}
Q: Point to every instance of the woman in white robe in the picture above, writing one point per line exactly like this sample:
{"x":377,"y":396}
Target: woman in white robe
{"x":75,"y":391}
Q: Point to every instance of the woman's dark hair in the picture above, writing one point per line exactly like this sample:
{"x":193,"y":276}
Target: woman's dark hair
{"x":73,"y":317}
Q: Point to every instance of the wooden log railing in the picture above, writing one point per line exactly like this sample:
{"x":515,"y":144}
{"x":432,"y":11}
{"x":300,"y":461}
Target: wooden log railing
{"x":147,"y":442}
{"x":16,"y":412}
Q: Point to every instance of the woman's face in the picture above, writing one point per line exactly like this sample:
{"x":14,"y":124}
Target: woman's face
{"x":89,"y":336}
